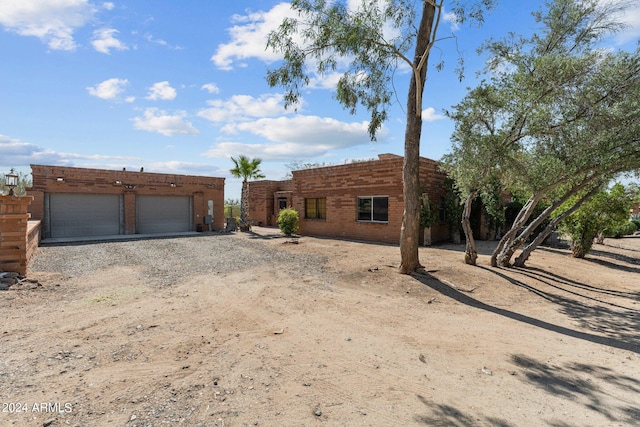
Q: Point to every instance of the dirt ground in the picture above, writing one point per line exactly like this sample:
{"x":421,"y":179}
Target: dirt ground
{"x":352,"y":343}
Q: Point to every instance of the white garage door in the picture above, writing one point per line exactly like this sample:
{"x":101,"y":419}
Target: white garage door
{"x":163,"y":214}
{"x":75,"y":215}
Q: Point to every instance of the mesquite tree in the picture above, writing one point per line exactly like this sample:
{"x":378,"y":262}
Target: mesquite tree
{"x":366,"y":43}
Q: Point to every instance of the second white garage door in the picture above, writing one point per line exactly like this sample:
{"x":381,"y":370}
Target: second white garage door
{"x":164,"y":214}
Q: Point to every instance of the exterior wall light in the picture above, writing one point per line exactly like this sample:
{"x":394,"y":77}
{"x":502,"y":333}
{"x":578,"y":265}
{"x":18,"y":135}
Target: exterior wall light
{"x":173,"y":184}
{"x":60,"y":179}
{"x":11,"y":181}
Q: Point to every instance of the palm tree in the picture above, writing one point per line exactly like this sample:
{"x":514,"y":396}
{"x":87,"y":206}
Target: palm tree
{"x":246,"y":169}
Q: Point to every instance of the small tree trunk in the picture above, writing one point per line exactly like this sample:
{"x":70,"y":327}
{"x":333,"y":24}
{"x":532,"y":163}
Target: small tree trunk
{"x":501,"y":254}
{"x":470,"y":254}
{"x":410,"y":231}
{"x":524,"y":256}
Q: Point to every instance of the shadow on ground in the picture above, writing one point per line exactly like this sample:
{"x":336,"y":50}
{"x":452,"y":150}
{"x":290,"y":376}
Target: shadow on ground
{"x":579,"y":382}
{"x":449,"y":416}
{"x":616,"y":327}
{"x":620,"y":327}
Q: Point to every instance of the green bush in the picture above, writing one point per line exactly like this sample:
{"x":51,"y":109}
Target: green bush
{"x":288,"y":221}
{"x":623,"y":229}
{"x":636,"y":222}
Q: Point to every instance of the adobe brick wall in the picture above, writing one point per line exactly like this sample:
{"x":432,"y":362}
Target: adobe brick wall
{"x":100,"y":181}
{"x":15,"y":246}
{"x":262,"y":207}
{"x":342,"y":185}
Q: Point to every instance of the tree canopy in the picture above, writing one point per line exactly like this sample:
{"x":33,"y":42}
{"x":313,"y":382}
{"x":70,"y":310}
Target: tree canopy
{"x":558,"y":115}
{"x":367,"y":43}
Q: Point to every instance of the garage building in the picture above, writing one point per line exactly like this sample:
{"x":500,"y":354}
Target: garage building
{"x":79,"y":202}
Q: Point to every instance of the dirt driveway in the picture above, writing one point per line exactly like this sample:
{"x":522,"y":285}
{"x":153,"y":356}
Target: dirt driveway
{"x":235,"y":330}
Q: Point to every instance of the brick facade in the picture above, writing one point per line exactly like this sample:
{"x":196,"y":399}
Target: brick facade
{"x":19,"y":237}
{"x":264,"y":198}
{"x":341,"y":186}
{"x":59,"y":179}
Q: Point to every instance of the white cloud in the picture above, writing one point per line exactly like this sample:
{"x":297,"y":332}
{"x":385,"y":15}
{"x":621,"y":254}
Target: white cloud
{"x":296,"y":137}
{"x":630,"y":18}
{"x":52,"y":21}
{"x":110,"y":89}
{"x":243,"y":107}
{"x":104,"y":40}
{"x":108,"y":5}
{"x":159,"y":121}
{"x":429,"y":115}
{"x":151,"y":39}
{"x":17,"y":153}
{"x":452,"y":19}
{"x":162,"y":91}
{"x":210,"y":87}
{"x":249,"y":37}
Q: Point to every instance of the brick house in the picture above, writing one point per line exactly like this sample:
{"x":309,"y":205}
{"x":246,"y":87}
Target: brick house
{"x":360,"y":201}
{"x":73,"y":202}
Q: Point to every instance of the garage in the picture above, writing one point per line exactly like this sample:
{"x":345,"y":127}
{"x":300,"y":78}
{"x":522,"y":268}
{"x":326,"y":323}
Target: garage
{"x":164,"y":214}
{"x":83,"y":215}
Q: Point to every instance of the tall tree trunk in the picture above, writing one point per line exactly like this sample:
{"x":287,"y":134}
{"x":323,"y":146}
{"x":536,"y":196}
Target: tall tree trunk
{"x":470,"y":254}
{"x":410,"y":231}
{"x":244,"y":208}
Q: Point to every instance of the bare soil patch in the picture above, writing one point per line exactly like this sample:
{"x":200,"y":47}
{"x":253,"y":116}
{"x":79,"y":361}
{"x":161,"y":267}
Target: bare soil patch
{"x":246,"y":329}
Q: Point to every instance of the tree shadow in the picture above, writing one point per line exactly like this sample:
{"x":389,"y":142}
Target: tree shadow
{"x":615,"y":322}
{"x":603,"y":262}
{"x":624,"y":336}
{"x":546,"y":275}
{"x":578,"y":382}
{"x":449,"y":416}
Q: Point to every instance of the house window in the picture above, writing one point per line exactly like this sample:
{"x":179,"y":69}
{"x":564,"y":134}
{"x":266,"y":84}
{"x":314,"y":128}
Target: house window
{"x":373,"y":209}
{"x":315,"y":208}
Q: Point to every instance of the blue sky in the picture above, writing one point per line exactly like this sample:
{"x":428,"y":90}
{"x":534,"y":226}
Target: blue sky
{"x":179,"y":87}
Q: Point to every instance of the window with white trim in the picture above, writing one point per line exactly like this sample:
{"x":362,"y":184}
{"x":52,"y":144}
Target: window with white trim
{"x":373,"y":209}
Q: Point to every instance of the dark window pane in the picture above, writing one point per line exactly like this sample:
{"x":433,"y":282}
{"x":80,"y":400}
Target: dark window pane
{"x":381,"y":209}
{"x":364,"y":209}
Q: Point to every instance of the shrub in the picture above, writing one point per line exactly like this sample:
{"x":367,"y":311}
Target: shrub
{"x":288,"y":221}
{"x":623,"y":229}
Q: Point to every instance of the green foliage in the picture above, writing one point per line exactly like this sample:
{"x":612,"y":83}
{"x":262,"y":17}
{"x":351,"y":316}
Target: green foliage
{"x":232,"y":208}
{"x":246,"y":168}
{"x":364,"y":44}
{"x":452,"y":205}
{"x":606,"y":212}
{"x":620,"y":230}
{"x":288,"y":221}
{"x":428,"y":212}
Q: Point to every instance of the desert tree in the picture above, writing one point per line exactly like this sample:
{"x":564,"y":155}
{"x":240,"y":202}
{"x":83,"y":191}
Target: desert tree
{"x":367,"y":43}
{"x":245,"y":169}
{"x":606,"y":209}
{"x":565,"y":111}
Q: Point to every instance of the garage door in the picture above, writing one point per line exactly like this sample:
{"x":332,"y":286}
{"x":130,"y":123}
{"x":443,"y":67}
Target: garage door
{"x":163,"y":214}
{"x":76,"y":215}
